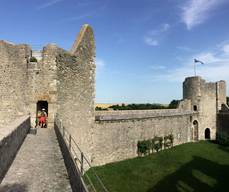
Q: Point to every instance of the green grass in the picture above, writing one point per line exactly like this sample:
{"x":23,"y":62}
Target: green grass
{"x":197,"y":167}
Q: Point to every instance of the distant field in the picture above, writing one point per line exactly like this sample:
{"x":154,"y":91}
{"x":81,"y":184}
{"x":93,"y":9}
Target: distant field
{"x":106,"y":105}
{"x":191,"y":167}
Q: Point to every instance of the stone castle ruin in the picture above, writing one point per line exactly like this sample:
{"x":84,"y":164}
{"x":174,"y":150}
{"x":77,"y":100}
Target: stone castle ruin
{"x":63,"y":82}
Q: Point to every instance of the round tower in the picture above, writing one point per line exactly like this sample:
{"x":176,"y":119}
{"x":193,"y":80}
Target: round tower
{"x":192,"y":91}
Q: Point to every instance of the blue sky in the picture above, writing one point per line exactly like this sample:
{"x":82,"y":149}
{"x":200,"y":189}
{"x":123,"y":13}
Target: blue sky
{"x":145,"y":48}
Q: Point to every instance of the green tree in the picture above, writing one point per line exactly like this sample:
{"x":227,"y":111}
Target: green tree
{"x":174,"y":104}
{"x":33,"y":59}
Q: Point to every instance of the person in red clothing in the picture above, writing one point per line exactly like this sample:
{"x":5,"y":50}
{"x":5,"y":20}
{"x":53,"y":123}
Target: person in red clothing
{"x":42,"y":120}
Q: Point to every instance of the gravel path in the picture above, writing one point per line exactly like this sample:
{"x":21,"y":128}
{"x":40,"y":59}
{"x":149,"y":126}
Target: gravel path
{"x":38,"y":166}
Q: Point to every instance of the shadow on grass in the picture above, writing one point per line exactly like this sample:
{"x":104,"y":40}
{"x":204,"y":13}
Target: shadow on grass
{"x":199,"y":175}
{"x":222,"y":147}
{"x":13,"y":188}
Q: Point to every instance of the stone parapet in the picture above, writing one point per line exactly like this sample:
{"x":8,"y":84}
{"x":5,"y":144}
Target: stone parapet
{"x":11,"y":138}
{"x":138,"y":114}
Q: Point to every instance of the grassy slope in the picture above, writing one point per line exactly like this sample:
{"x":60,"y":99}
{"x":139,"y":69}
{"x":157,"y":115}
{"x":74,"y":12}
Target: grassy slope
{"x":202,"y":166}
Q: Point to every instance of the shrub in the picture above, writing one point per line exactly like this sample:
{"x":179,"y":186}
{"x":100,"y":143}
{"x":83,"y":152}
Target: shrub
{"x":100,"y":109}
{"x":144,"y":147}
{"x":141,"y":148}
{"x":157,"y":143}
{"x":168,"y":141}
{"x":33,"y":59}
{"x":148,"y":146}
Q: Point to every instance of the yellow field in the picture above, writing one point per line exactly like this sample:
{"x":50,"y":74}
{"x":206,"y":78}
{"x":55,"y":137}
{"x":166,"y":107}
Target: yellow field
{"x":106,"y":105}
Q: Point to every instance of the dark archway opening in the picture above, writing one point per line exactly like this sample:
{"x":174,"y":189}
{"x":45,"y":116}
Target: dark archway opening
{"x":195,"y":130}
{"x":42,"y":105}
{"x":194,"y":107}
{"x":207,"y":133}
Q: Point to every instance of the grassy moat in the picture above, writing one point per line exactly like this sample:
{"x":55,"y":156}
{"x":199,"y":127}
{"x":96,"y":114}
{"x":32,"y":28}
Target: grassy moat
{"x":191,"y":167}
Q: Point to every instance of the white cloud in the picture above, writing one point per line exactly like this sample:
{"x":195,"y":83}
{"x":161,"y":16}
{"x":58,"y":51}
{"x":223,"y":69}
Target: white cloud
{"x":165,"y":27}
{"x":49,"y":3}
{"x":150,"y":41}
{"x":152,"y":36}
{"x":100,"y":66}
{"x":208,"y":57}
{"x":100,"y":63}
{"x":226,"y":49}
{"x":195,"y":12}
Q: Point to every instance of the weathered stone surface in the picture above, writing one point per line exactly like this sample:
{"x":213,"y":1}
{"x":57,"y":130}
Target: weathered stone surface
{"x":43,"y":82}
{"x":76,"y":87}
{"x":139,"y":114}
{"x":11,"y":138}
{"x":223,"y":121}
{"x":33,"y":131}
{"x":116,"y":139}
{"x":38,"y":166}
{"x":77,"y":183}
{"x":208,"y":97}
{"x":13,"y":80}
{"x":65,"y":79}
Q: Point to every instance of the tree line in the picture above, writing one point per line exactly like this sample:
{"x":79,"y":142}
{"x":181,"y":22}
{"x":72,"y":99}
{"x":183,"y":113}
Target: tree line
{"x":144,"y":106}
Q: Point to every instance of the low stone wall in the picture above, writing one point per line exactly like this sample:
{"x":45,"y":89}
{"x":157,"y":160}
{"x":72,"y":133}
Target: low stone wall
{"x":11,"y":138}
{"x":137,"y":114}
{"x":76,"y":181}
{"x":116,"y":135}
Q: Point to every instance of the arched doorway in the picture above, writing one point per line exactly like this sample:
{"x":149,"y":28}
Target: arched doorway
{"x":195,"y":130}
{"x":42,"y":105}
{"x":207,"y":133}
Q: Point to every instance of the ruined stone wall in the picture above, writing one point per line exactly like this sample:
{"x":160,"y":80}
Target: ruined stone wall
{"x":223,"y":121}
{"x":221,"y":94}
{"x":24,"y":83}
{"x":76,"y":87}
{"x":13,"y":81}
{"x":115,"y":136}
{"x":43,"y":82}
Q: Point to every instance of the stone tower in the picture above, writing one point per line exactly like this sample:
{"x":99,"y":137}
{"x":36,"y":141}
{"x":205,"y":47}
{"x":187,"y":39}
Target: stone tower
{"x":206,"y":100}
